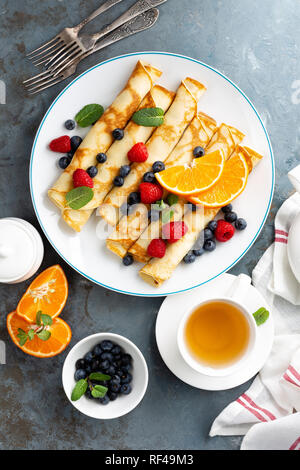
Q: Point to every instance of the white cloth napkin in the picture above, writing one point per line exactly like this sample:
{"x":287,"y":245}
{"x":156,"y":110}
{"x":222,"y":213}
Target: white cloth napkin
{"x":269,"y":412}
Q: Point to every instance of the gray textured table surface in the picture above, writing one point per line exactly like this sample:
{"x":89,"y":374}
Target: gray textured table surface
{"x":257,"y":45}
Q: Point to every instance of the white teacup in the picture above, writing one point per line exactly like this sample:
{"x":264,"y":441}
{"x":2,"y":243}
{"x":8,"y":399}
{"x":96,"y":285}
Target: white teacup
{"x":234,"y":297}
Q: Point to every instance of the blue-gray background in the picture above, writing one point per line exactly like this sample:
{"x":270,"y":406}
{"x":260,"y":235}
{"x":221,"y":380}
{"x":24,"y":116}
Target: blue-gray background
{"x":256,"y":43}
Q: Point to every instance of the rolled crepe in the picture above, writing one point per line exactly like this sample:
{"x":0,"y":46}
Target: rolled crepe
{"x":200,"y":133}
{"x":100,"y":138}
{"x":159,"y":146}
{"x":157,"y":270}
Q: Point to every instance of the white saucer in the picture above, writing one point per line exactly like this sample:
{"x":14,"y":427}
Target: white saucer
{"x":167,"y":322}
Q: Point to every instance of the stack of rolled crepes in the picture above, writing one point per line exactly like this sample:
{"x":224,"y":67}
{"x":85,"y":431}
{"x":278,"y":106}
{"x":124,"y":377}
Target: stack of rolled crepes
{"x":172,"y":143}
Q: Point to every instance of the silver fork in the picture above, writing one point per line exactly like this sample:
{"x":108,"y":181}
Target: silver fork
{"x":66,"y":37}
{"x":77,"y":47}
{"x":48,"y":78}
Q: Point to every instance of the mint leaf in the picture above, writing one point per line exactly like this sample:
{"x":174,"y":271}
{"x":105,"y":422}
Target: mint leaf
{"x":31,"y":334}
{"x":99,"y":376}
{"x":166,"y":216}
{"x":99,"y":391}
{"x":46,"y":319}
{"x":22,"y":336}
{"x":89,"y":114}
{"x":79,"y":197}
{"x":79,"y":389}
{"x":172,"y":199}
{"x":261,"y":316}
{"x":149,"y":117}
{"x":158,"y":206}
{"x":38,"y":318}
{"x":44,"y":335}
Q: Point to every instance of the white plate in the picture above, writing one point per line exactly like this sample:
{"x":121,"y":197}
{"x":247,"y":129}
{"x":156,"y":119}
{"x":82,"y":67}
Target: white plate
{"x":167,"y":323}
{"x":86,"y":253}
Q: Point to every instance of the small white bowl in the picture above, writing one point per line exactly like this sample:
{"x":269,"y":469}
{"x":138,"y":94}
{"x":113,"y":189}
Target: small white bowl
{"x":124,"y":403}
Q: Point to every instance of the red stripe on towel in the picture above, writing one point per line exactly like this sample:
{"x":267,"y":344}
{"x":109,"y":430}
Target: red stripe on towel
{"x":295,"y":445}
{"x":281,"y":232}
{"x":281,"y":240}
{"x":251,"y":402}
{"x":289,"y":379}
{"x":254,"y":412}
{"x":294,"y":372}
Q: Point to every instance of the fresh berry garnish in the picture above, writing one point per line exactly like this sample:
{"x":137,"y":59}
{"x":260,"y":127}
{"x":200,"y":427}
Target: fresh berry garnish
{"x":92,"y":171}
{"x":124,"y":170}
{"x":125,"y":389}
{"x":224,"y":231}
{"x":230,"y":216}
{"x":61,"y":144}
{"x":240,"y":224}
{"x":156,"y":248}
{"x":134,"y":198}
{"x":75,"y":142}
{"x":127,"y":260}
{"x":70,"y":124}
{"x":118,"y":181}
{"x":189,"y":258}
{"x":209,"y":245}
{"x":138,"y":153}
{"x":158,"y":166}
{"x":174,"y":231}
{"x":64,"y":162}
{"x":101,"y":158}
{"x":118,"y":134}
{"x":149,"y":177}
{"x":153,"y":215}
{"x":198,"y":152}
{"x":208,"y":234}
{"x":227,"y":208}
{"x":80,"y":374}
{"x":81,"y":178}
{"x":198,"y":251}
{"x":212,"y":225}
{"x":150,"y":192}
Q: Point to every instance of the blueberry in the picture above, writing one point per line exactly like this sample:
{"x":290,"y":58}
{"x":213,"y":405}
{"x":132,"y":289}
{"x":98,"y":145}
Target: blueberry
{"x":88,"y":369}
{"x":126,"y":378}
{"x":124,"y":170}
{"x":158,"y":166}
{"x":117,"y":364}
{"x":208,"y":234}
{"x":153,"y":215}
{"x":64,"y":162}
{"x":80,"y":374}
{"x":75,"y":142}
{"x":149,"y":177}
{"x":114,"y":386}
{"x":70,"y":154}
{"x":81,"y":364}
{"x":118,"y":181}
{"x":104,"y":400}
{"x":92,"y":171}
{"x":198,"y":152}
{"x":88,"y":394}
{"x":240,"y":224}
{"x":104,"y":365}
{"x":209,"y":245}
{"x":95,"y":365}
{"x":127,"y":260}
{"x":111,"y":371}
{"x":119,"y":372}
{"x":198,"y":252}
{"x":230,"y":216}
{"x":116,"y":350}
{"x":101,"y":158}
{"x":126,"y":368}
{"x":115,"y":378}
{"x":106,"y":345}
{"x":118,"y":357}
{"x":89,"y":357}
{"x":134,"y":198}
{"x":118,"y":134}
{"x":227,"y":208}
{"x":212,"y":225}
{"x":112,"y":395}
{"x":189,"y":258}
{"x":124,"y":208}
{"x":70,"y":124}
{"x":106,"y":355}
{"x":192,"y":207}
{"x":97,"y":351}
{"x":126,"y":359}
{"x":125,"y":389}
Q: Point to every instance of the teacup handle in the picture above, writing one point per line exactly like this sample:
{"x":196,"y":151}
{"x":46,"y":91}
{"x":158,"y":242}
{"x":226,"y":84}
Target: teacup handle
{"x":239,"y":287}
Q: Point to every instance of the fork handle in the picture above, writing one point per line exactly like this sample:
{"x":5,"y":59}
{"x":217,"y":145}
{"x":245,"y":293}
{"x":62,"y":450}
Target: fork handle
{"x":106,"y":6}
{"x":139,"y":7}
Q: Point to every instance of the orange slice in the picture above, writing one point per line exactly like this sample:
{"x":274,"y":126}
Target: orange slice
{"x":201,"y":175}
{"x":232,"y":183}
{"x":48,"y":293}
{"x":60,"y":336}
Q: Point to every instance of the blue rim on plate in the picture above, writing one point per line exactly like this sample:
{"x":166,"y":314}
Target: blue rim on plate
{"x":181,"y":57}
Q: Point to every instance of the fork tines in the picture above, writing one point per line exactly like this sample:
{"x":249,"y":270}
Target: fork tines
{"x":41,"y":81}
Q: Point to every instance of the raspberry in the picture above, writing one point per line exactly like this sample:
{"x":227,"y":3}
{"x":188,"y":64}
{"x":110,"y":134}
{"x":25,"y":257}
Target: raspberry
{"x":61,"y":144}
{"x":138,"y":153}
{"x":150,"y":192}
{"x":81,"y":178}
{"x":224,"y":231}
{"x":174,"y":231}
{"x":156,"y":248}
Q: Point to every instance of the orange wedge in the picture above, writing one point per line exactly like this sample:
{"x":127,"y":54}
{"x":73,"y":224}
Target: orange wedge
{"x":231,"y":184}
{"x":201,"y":175}
{"x":48,"y":293}
{"x":60,"y":336}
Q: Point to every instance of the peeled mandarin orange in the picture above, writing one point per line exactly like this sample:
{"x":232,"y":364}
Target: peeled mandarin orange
{"x":48,"y":293}
{"x":60,"y":336}
{"x":201,"y":175}
{"x":230,"y":185}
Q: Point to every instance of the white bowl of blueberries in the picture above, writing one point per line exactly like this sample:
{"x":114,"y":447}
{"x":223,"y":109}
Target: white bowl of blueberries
{"x":105,"y":376}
